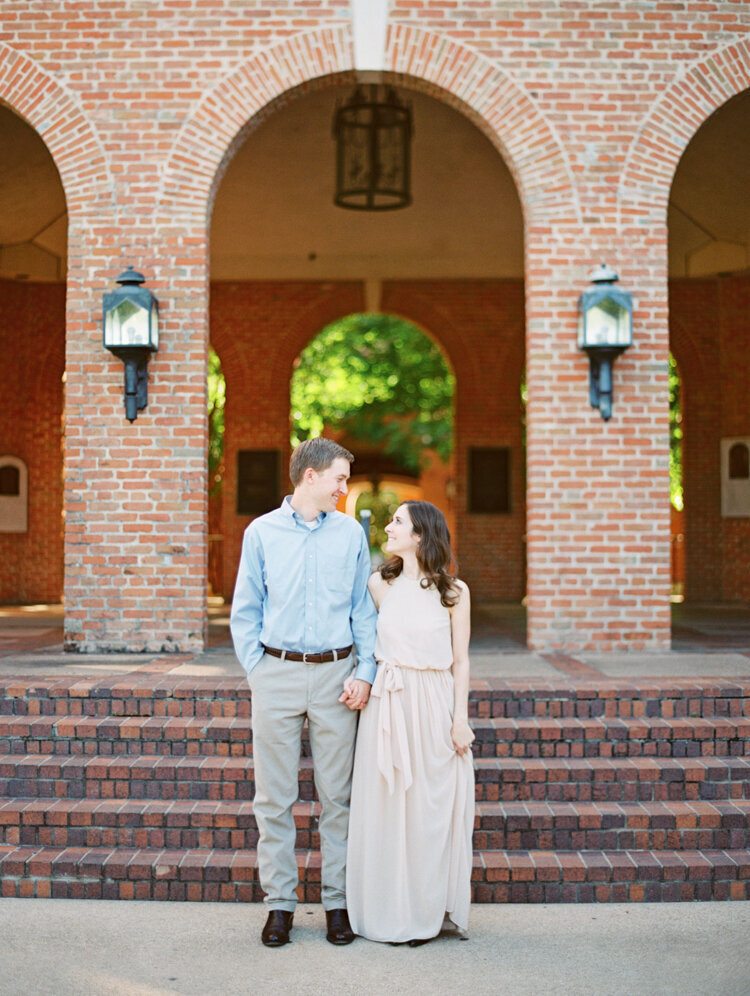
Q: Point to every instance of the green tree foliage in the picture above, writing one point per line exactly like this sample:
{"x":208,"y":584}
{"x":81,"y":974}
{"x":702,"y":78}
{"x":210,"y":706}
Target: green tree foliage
{"x":380,"y":379}
{"x":217,"y":396}
{"x":382,"y":505}
{"x":675,"y":436}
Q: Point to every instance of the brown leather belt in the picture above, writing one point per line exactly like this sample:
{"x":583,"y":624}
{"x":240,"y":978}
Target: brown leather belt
{"x":322,"y":658}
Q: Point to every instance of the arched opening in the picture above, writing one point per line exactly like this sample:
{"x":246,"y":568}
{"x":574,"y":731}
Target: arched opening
{"x":709,"y":264}
{"x":676,"y":490}
{"x":216,"y":401}
{"x":33,"y":249}
{"x":383,"y":388}
{"x":286,"y":262}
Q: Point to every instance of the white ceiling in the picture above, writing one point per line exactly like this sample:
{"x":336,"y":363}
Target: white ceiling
{"x":274,"y":216}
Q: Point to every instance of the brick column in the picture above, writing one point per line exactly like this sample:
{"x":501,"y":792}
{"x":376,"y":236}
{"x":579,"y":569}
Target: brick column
{"x":135,"y":537}
{"x":598,"y":492}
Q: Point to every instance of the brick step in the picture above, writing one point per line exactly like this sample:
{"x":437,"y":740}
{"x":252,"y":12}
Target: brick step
{"x":129,"y":695}
{"x":153,"y":695}
{"x":629,"y":779}
{"x":215,"y":736}
{"x":616,"y":737}
{"x":611,"y":698}
{"x":221,"y":736}
{"x":677,"y":826}
{"x":497,"y":876}
{"x":498,"y":826}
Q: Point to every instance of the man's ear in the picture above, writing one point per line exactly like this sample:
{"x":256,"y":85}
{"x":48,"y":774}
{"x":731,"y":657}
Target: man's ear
{"x":309,"y":475}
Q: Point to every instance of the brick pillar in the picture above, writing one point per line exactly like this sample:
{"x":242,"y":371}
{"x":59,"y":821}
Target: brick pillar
{"x":135,"y":537}
{"x":598,"y":492}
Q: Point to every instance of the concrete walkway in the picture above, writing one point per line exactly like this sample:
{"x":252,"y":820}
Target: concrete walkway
{"x":72,"y":948}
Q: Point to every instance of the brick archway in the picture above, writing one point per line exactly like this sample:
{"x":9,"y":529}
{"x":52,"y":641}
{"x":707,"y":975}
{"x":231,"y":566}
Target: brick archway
{"x":675,"y":118}
{"x":438,"y":67}
{"x":33,"y":559}
{"x":59,"y":121}
{"x":424,"y":60}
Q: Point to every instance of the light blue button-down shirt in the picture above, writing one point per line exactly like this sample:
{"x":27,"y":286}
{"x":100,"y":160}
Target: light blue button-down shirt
{"x":304,"y":588}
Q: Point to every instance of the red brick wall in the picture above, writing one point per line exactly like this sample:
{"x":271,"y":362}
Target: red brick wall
{"x":32,"y":344}
{"x":708,"y":335}
{"x":591,"y":105}
{"x":258,"y":329}
{"x":734,"y":308}
{"x":480,"y":325}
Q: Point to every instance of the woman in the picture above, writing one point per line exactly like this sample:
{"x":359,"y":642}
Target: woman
{"x":412,"y":808}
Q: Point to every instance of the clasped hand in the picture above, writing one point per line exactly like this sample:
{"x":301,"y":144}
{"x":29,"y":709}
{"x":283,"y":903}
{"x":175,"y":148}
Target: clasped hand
{"x":356,"y":693}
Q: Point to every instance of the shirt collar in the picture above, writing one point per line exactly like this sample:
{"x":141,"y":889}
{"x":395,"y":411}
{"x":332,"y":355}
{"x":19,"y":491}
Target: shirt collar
{"x":286,"y":508}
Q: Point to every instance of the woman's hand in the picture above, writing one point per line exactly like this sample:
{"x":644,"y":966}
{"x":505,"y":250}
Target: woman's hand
{"x":462,"y":735}
{"x":356,"y":693}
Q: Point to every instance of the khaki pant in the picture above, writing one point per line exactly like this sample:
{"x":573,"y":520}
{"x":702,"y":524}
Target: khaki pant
{"x":283,"y":694}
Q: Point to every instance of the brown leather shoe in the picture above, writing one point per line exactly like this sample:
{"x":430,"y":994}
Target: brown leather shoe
{"x":276,"y":931}
{"x":339,"y":928}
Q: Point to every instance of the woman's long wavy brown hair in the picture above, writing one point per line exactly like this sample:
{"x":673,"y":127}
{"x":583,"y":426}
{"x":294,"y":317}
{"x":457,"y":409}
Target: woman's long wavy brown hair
{"x":434,"y":554}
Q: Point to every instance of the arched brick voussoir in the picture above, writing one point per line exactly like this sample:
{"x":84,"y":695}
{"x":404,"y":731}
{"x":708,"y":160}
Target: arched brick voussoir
{"x":66,"y":131}
{"x":429,"y":62}
{"x":676,"y":116}
{"x":220,"y":121}
{"x":500,"y":108}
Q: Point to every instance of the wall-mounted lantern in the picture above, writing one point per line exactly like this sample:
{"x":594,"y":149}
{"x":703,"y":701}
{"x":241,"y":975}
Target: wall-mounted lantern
{"x":373,"y":150}
{"x":605,"y":329}
{"x":131,"y":331}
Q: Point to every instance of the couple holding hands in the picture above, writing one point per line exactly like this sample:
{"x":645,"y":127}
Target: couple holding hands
{"x":396,"y":863}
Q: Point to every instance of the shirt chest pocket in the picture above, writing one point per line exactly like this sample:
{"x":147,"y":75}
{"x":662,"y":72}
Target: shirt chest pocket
{"x":336,"y":572}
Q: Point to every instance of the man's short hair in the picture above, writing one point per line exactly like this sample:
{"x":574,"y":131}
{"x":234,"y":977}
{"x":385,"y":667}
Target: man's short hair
{"x":318,"y":453}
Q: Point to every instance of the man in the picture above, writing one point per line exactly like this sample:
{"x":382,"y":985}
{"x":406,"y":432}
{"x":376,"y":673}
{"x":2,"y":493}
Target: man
{"x":300,"y":602}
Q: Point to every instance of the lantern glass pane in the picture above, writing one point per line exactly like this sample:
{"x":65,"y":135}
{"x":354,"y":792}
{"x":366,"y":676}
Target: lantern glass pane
{"x":127,"y":325}
{"x":154,"y":324}
{"x":607,"y":324}
{"x":356,"y":160}
{"x":390,"y":160}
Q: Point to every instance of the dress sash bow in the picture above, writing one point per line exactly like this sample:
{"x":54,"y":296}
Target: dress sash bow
{"x":392,"y":742}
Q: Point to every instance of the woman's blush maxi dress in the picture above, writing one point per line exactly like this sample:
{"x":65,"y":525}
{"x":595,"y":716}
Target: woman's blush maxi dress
{"x":412,"y":809}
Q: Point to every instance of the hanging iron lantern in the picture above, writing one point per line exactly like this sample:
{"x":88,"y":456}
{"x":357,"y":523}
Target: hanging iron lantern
{"x":373,"y":155}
